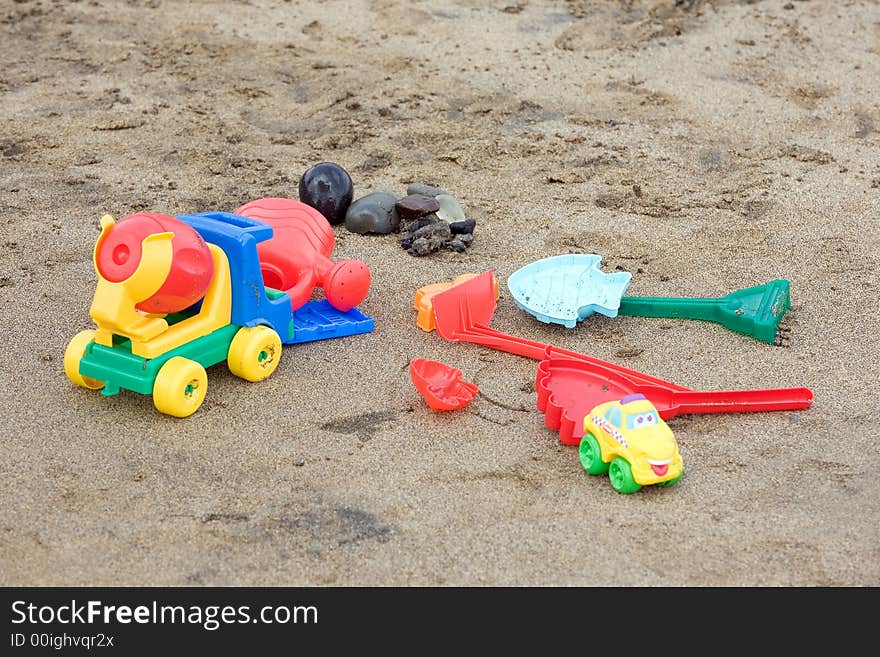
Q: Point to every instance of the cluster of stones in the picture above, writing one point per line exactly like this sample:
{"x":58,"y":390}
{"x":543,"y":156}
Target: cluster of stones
{"x":428,"y":219}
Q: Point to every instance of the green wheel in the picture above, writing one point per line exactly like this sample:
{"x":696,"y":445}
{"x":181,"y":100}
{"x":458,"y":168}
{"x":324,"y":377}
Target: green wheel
{"x":591,"y":455}
{"x":621,"y":476}
{"x":672,"y":482}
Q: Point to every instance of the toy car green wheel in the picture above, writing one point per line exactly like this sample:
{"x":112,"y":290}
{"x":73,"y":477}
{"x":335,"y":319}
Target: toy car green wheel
{"x":591,"y":455}
{"x":672,"y":481}
{"x":180,"y":387}
{"x":73,"y":354}
{"x":254,"y":353}
{"x":621,"y":476}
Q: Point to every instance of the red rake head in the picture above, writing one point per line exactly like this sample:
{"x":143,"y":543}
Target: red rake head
{"x":458,"y":309}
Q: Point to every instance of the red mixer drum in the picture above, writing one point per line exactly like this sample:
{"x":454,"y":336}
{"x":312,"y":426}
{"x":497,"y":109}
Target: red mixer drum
{"x":192,"y":266}
{"x":297,"y":258}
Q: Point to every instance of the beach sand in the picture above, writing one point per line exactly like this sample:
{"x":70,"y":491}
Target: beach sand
{"x":702,"y":146}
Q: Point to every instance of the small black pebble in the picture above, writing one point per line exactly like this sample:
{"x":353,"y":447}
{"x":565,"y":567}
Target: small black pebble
{"x":463,"y":227}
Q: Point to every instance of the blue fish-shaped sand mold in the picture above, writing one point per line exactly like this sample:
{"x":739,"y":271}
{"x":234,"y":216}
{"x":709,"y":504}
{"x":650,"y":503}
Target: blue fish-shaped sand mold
{"x":565,"y":289}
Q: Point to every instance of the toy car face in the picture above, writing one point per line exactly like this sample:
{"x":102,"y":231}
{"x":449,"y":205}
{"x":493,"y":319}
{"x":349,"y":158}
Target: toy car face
{"x":632,"y":429}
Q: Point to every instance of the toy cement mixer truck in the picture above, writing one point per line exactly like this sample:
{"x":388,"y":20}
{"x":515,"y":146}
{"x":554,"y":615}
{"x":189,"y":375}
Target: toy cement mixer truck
{"x":177,"y":295}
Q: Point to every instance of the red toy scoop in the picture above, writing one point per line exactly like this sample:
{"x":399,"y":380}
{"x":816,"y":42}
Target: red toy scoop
{"x":569,"y":389}
{"x":441,"y":385}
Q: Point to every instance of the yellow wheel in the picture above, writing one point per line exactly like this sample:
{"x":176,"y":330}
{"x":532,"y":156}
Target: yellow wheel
{"x":180,"y":387}
{"x":74,"y":353}
{"x":254,"y":353}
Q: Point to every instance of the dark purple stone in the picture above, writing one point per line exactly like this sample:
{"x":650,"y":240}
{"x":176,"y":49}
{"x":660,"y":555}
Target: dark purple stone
{"x":415,"y":206}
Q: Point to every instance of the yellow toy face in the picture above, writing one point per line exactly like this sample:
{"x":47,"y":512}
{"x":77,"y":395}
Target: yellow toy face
{"x":632,"y":429}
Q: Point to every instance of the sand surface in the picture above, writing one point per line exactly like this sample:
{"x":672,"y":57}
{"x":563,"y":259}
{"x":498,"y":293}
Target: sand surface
{"x":703,"y":146}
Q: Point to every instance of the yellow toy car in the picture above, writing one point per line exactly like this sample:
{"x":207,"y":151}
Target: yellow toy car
{"x":628,"y":440}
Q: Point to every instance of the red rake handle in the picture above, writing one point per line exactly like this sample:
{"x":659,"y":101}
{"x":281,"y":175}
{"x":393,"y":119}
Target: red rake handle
{"x":742,"y":401}
{"x":489,"y":337}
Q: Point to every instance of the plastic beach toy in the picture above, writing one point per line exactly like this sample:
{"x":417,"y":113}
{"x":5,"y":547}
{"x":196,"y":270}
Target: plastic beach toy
{"x":441,"y":385}
{"x":424,"y":295}
{"x":568,"y":288}
{"x":118,"y":254}
{"x":297,"y":258}
{"x":235,"y":318}
{"x":463,"y":313}
{"x":628,"y":441}
{"x":568,"y":388}
{"x":754,"y":311}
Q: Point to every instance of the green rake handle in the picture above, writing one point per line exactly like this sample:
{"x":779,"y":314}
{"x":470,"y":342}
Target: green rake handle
{"x":703,"y":309}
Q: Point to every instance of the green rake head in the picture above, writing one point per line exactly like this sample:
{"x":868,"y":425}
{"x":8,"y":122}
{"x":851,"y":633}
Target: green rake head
{"x":757,"y":311}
